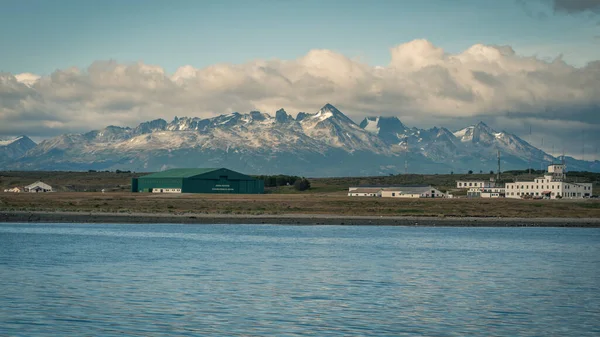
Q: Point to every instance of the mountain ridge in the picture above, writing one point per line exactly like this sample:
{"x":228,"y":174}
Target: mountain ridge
{"x":324,"y":143}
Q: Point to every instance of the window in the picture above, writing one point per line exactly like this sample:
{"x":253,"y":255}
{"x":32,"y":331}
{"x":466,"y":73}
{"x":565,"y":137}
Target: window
{"x":470,"y":184}
{"x":393,"y":194}
{"x":459,"y":184}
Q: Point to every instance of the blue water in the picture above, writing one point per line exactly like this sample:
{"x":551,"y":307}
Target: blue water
{"x":260,"y":280}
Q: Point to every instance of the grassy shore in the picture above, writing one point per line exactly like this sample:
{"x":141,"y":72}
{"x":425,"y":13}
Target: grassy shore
{"x":294,"y":204}
{"x":78,"y":200}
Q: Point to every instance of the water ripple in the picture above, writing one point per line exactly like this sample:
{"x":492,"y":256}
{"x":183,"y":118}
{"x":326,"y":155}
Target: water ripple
{"x":183,"y":280}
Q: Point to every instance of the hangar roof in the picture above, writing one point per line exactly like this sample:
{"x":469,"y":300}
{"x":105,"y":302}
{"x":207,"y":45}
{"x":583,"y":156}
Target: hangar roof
{"x":195,"y":173}
{"x":180,"y":173}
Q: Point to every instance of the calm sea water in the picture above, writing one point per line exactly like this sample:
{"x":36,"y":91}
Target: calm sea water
{"x":253,"y":280}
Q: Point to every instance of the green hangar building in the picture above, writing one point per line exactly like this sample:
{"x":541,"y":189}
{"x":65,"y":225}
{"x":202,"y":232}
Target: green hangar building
{"x":198,"y":180}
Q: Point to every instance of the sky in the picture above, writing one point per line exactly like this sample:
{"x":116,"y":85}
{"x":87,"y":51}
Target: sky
{"x":71,"y":66}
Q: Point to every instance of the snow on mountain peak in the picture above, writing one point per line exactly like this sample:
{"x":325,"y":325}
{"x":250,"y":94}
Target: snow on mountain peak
{"x":6,"y":142}
{"x":273,"y":139}
{"x":370,"y":124}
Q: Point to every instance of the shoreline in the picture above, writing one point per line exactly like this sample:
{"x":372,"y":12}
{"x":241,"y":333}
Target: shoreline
{"x":289,"y":219}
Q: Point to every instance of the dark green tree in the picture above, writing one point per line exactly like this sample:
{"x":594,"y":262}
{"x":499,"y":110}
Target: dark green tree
{"x":302,"y":184}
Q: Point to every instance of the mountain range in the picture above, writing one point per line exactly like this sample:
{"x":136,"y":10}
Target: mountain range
{"x":326,"y":143}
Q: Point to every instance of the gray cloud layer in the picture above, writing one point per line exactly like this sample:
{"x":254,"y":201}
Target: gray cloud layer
{"x":423,"y":85}
{"x":576,"y":6}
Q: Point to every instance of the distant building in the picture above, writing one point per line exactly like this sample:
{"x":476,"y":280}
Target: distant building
{"x":425,"y":191}
{"x":38,"y":187}
{"x":398,"y":191}
{"x":475,"y":183}
{"x":198,"y":180}
{"x":14,"y":190}
{"x":486,"y":192}
{"x":551,"y":186}
{"x":364,"y":192}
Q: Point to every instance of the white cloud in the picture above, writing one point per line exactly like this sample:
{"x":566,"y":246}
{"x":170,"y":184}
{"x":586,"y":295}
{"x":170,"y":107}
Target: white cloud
{"x":27,"y":78}
{"x":422,"y":84}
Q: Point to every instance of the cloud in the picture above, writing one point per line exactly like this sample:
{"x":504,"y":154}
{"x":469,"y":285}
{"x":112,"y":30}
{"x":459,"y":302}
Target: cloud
{"x":423,"y":85}
{"x":576,"y":6}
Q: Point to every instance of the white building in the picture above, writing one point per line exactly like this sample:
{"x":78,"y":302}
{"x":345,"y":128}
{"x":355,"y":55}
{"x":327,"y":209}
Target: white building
{"x":166,"y":190}
{"x":486,"y":192}
{"x":364,"y":191}
{"x":412,"y":192}
{"x":551,"y":186}
{"x":14,"y":190}
{"x":38,"y":187}
{"x":475,"y":183}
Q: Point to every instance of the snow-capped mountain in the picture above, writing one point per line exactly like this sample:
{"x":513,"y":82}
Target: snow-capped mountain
{"x":325,"y":143}
{"x":389,"y":129}
{"x":481,"y":137}
{"x":13,"y":148}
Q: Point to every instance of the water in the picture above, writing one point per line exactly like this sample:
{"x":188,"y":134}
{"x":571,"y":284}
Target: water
{"x":253,"y":280}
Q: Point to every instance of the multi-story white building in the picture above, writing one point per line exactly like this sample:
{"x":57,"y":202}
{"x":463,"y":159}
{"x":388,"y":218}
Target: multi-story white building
{"x":551,"y":186}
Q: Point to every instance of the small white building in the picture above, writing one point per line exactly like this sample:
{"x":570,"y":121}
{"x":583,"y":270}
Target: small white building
{"x":166,"y":190}
{"x":475,"y":183}
{"x":412,"y":192}
{"x":14,"y":190}
{"x":364,"y":191}
{"x":551,"y":186}
{"x":486,"y":192}
{"x":38,"y":187}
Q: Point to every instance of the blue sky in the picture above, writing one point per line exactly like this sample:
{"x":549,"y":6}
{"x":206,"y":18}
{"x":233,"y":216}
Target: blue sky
{"x":41,"y":36}
{"x":331,"y":52}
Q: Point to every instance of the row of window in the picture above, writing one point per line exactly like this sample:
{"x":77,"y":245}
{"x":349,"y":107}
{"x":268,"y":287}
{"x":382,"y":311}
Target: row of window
{"x":470,"y":184}
{"x":532,"y":193}
{"x":550,"y":187}
{"x":568,"y":194}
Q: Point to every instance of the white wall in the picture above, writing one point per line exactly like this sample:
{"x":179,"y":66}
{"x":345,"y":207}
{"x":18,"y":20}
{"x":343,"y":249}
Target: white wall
{"x":166,"y":190}
{"x":536,"y":187}
{"x":359,"y":194}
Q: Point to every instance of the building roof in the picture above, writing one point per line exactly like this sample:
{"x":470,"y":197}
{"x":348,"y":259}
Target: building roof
{"x":39,"y":184}
{"x":180,"y":173}
{"x":366,"y":190}
{"x":411,"y":189}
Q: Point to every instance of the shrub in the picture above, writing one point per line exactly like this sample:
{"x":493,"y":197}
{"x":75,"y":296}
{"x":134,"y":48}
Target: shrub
{"x":302,"y":184}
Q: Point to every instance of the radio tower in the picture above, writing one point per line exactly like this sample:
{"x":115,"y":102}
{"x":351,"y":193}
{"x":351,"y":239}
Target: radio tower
{"x":498,"y":173}
{"x":406,"y":158}
{"x":529,"y":163}
{"x":542,"y":154}
{"x":583,"y":145}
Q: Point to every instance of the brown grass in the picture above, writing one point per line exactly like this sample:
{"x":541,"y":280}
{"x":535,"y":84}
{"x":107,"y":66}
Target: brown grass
{"x":316,"y":203}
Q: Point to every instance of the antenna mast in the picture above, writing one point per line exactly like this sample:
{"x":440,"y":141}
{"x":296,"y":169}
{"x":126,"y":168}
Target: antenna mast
{"x":498,"y":173}
{"x":582,"y":145}
{"x":542,"y":154}
{"x":529,"y":163}
{"x":406,"y":158}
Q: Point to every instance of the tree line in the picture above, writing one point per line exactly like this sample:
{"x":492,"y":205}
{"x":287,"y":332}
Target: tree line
{"x":299,"y":183}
